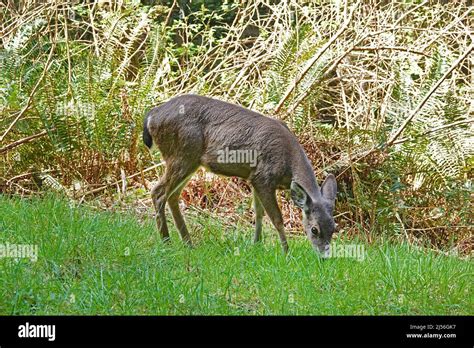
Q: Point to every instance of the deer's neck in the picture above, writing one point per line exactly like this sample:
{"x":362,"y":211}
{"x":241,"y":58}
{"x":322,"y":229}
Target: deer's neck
{"x":303,"y":174}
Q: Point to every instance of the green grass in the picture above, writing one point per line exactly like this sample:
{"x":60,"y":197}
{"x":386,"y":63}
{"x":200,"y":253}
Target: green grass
{"x":83,"y":268}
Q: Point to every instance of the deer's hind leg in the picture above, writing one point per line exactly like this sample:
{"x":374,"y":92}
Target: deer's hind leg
{"x":173,"y":203}
{"x":176,"y":174}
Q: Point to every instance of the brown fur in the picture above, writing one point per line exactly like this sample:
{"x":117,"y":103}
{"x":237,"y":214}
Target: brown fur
{"x":191,"y":130}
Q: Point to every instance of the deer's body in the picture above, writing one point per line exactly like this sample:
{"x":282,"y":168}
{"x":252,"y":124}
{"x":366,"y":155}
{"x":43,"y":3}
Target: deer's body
{"x":192,"y":131}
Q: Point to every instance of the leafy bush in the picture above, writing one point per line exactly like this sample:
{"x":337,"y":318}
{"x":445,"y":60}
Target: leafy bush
{"x":76,"y":80}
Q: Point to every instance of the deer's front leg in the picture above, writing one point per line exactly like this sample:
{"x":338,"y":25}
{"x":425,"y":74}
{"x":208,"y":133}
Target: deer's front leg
{"x":258,"y":207}
{"x":269,"y":202}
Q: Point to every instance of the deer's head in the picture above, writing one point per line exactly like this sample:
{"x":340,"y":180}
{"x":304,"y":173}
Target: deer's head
{"x":318,"y":220}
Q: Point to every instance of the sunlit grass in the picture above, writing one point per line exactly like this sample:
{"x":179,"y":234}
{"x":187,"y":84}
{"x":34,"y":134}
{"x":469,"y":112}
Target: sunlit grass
{"x":94,"y":262}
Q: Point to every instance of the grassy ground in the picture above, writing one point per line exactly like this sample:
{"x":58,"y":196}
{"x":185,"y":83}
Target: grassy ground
{"x":111,"y":263}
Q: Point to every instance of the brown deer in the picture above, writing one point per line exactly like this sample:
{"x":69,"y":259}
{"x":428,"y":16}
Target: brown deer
{"x":192,"y":131}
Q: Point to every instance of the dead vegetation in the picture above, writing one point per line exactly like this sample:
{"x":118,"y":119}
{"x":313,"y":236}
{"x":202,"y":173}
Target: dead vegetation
{"x":378,"y":92}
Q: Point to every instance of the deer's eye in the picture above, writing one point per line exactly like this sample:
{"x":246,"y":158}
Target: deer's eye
{"x":314,"y":230}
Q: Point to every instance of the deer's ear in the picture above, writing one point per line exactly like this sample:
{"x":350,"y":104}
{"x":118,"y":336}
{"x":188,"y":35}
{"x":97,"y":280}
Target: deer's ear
{"x":329,"y":188}
{"x":298,"y":195}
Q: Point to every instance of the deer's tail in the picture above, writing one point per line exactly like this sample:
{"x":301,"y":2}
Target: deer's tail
{"x":147,"y":139}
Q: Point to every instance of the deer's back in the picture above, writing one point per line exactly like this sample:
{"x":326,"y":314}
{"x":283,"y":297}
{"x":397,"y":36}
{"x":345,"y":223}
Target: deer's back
{"x":199,"y":127}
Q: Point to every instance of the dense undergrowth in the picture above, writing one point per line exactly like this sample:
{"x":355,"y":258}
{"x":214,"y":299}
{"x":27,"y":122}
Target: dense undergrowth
{"x":365,"y":86}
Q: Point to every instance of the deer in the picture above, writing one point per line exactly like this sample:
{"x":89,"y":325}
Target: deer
{"x":193,"y":131}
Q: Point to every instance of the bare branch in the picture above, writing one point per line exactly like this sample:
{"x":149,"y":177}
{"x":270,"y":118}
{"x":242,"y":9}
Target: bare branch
{"x":313,"y":60}
{"x":22,"y":141}
{"x":32,"y":93}
{"x":433,"y":89}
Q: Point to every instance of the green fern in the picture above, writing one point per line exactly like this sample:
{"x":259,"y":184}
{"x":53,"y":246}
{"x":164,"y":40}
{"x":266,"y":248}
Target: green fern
{"x":289,"y":61}
{"x":439,"y":156}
